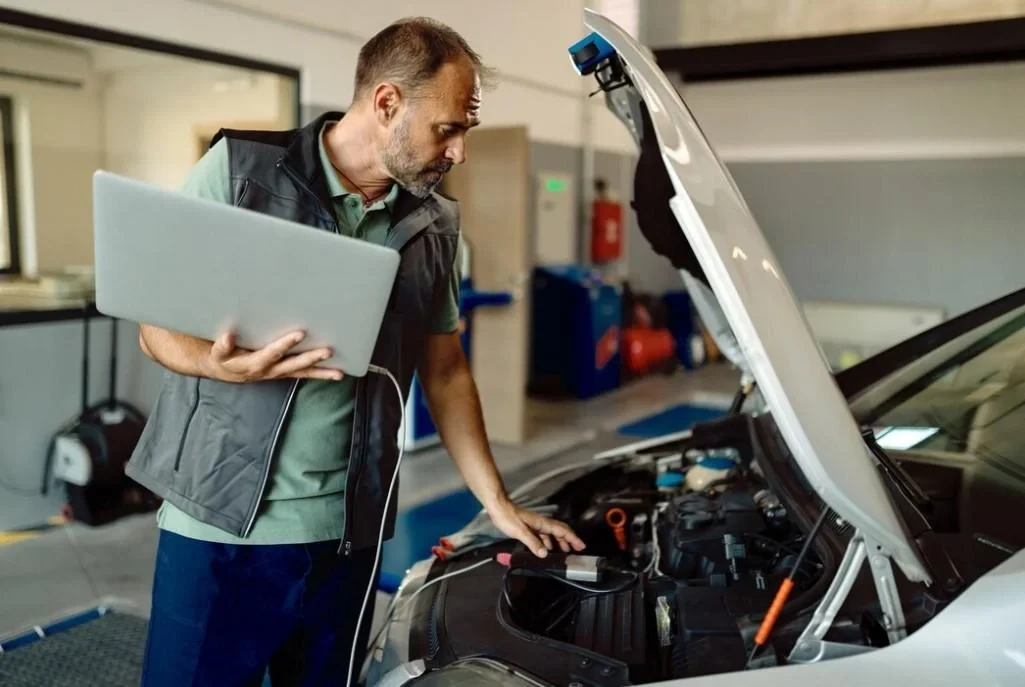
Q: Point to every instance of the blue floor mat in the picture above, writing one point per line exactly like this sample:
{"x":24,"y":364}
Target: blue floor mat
{"x":418,"y":529}
{"x":675,"y":419}
{"x":94,"y":649}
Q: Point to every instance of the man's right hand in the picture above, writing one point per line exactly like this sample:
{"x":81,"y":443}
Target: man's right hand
{"x":224,"y":361}
{"x":227,"y":363}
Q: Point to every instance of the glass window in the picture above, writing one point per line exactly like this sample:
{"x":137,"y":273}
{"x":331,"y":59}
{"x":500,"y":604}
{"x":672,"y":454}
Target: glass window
{"x":967,"y":396}
{"x":80,"y":105}
{"x":955,"y":420}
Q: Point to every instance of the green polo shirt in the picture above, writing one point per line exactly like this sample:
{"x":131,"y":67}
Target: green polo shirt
{"x":304,"y":501}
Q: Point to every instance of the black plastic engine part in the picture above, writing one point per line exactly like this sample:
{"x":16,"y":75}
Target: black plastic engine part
{"x":698,"y":515}
{"x":698,"y":546}
{"x":614,"y":625}
{"x":466,"y":616}
{"x":708,"y":639}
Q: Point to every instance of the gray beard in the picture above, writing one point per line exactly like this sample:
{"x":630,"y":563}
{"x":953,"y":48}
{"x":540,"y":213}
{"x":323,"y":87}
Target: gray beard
{"x":400,"y":165}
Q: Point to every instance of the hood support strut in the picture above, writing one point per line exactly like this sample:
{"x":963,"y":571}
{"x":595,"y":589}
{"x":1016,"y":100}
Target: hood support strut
{"x":810,"y":646}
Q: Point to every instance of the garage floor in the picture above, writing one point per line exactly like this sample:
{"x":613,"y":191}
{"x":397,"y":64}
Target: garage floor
{"x":75,"y":568}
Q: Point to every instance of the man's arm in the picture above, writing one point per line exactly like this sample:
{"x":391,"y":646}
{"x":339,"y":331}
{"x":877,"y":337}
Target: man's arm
{"x":455,"y":407}
{"x":177,"y":352}
{"x":222,"y":361}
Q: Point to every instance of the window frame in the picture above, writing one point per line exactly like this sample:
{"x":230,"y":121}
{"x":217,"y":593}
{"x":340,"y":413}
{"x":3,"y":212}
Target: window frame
{"x":10,"y":186}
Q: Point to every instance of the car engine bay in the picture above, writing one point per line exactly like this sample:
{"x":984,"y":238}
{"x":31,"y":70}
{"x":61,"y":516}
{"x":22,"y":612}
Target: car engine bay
{"x":697,"y":546}
{"x":688,"y":546}
{"x":694,"y":543}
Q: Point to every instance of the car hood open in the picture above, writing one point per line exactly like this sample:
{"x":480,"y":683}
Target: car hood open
{"x":691,"y":211}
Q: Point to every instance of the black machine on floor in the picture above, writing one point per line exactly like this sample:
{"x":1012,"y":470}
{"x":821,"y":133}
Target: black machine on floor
{"x":89,"y":453}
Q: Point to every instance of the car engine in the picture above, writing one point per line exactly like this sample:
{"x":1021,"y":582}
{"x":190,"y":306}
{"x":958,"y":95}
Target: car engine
{"x":696,"y":546}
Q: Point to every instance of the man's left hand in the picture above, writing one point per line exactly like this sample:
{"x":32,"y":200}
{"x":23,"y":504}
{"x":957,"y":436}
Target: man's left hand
{"x":537,"y":532}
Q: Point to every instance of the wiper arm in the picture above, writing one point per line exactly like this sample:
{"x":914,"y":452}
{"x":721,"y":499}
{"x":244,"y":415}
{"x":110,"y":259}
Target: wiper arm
{"x":896,"y":473}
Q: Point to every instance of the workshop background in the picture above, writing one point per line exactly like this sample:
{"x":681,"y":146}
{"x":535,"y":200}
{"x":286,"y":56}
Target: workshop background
{"x":888,"y":182}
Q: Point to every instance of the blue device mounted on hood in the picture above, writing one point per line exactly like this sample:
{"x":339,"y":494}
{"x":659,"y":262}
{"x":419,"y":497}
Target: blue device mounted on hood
{"x":588,"y":53}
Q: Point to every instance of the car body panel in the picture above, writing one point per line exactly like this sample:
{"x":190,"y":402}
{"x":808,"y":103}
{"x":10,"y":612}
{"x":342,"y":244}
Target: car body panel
{"x":775,"y":340}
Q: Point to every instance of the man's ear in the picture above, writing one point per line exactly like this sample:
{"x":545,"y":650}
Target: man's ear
{"x":387,"y":101}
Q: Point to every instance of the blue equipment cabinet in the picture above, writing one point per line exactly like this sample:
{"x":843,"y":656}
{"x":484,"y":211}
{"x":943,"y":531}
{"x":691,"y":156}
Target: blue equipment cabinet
{"x":575,"y":332}
{"x":420,"y":430}
{"x":681,"y":324}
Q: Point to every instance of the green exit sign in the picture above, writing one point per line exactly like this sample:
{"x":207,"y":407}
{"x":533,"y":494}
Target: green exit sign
{"x":555,"y":185}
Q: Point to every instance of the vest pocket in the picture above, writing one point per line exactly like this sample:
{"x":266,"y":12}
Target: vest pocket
{"x":189,"y":417}
{"x":217,"y":467}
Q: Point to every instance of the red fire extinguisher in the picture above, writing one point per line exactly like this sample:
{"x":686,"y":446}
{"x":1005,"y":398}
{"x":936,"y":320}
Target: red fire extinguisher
{"x":606,"y":226}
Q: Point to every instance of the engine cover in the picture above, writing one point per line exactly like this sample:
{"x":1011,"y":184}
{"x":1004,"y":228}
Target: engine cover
{"x":708,"y":639}
{"x":614,"y":625}
{"x":707,"y":533}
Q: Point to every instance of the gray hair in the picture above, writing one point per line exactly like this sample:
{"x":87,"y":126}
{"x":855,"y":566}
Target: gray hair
{"x":410,"y":52}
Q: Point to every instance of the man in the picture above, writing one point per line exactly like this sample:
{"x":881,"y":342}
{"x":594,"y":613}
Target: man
{"x":274,"y":470}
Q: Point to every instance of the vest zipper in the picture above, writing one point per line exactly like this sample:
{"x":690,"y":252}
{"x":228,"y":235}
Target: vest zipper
{"x":270,"y":457}
{"x":355,"y":462}
{"x":354,"y":467}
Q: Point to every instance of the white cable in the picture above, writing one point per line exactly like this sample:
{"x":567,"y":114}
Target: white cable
{"x":656,"y":556}
{"x":384,"y":518}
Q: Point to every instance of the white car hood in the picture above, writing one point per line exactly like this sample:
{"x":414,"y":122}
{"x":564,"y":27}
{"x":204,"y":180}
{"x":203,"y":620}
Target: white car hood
{"x":771,"y":334}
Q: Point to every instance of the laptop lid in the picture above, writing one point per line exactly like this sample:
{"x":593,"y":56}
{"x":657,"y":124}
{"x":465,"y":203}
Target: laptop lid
{"x":201,"y":267}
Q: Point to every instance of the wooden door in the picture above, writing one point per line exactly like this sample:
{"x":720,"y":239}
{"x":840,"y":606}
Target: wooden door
{"x":492,"y":189}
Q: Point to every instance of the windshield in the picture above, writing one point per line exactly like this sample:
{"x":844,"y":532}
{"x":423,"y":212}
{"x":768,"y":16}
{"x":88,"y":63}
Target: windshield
{"x":955,"y":417}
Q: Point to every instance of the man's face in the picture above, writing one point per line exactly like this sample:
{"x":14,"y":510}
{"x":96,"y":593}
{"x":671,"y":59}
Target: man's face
{"x":428,"y":135}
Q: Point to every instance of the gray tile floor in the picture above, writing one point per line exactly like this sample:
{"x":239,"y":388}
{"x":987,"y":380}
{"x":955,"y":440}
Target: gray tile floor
{"x":76,"y":568}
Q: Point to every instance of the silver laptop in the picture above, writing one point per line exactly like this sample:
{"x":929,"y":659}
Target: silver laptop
{"x":201,"y":267}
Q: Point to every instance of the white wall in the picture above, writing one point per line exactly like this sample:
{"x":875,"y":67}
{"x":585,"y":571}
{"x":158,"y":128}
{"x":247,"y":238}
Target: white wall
{"x":525,"y":41}
{"x":899,"y":187}
{"x":965,"y":112}
{"x":944,"y":234}
{"x":155,"y":114}
{"x":883,"y":187}
{"x":695,"y":22}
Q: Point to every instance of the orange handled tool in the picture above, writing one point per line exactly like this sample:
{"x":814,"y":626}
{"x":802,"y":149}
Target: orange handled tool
{"x":787,"y":586}
{"x":772,"y":615}
{"x":616,"y":519}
